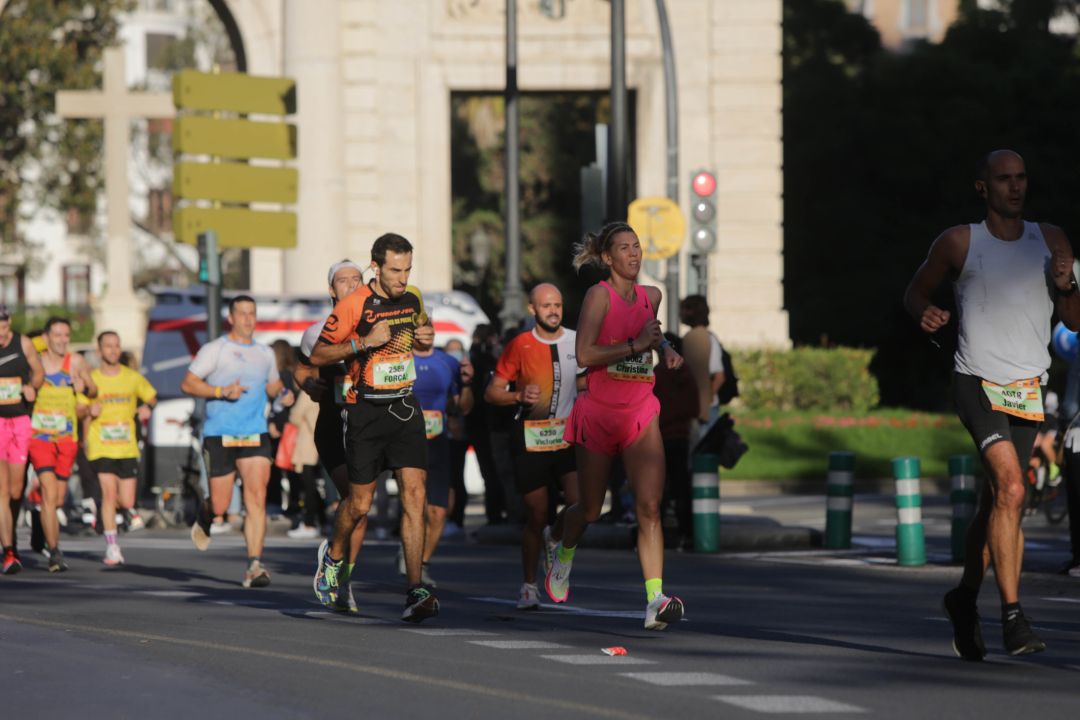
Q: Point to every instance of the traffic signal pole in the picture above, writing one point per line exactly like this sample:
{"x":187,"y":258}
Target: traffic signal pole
{"x":671,"y":100}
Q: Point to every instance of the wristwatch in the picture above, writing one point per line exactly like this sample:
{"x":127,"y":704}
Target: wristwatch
{"x":1072,"y":288}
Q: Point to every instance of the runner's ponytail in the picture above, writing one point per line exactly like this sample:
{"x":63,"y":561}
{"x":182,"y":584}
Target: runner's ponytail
{"x":591,"y":249}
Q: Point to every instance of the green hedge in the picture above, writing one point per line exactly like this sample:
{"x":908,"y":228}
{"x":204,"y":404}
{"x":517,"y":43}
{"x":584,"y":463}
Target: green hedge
{"x":82,"y":321}
{"x":806,"y":378}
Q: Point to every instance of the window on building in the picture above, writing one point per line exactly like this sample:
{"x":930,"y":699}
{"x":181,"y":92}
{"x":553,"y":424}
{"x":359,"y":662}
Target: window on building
{"x":159,"y":211}
{"x":76,"y":280}
{"x":12,"y":287}
{"x":159,"y":46}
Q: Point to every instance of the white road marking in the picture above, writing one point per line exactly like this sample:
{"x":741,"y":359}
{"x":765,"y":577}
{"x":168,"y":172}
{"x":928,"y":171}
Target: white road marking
{"x":1062,"y":599}
{"x":449,"y":632}
{"x":684,"y":679}
{"x":598,"y":659}
{"x":518,"y":644}
{"x":244,"y":603}
{"x":170,"y":593}
{"x":788,"y":704}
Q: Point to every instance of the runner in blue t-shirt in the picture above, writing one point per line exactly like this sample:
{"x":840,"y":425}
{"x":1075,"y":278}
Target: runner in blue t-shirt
{"x":442,"y":386}
{"x":236,"y":375}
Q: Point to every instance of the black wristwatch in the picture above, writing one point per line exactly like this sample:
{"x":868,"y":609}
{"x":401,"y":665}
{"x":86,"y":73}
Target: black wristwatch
{"x":1072,"y":288}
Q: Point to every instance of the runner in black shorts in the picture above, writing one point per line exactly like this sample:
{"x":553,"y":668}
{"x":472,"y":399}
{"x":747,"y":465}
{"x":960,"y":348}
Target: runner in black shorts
{"x":1009,"y":277}
{"x":326,"y":386}
{"x":542,"y":365}
{"x":374,"y":329}
{"x":442,"y":387}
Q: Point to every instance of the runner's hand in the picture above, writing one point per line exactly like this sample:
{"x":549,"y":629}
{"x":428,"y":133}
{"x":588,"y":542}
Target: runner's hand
{"x":672,"y":359}
{"x":650,"y":336}
{"x":233,"y":391}
{"x":143,"y":411}
{"x":287,"y":398}
{"x":933,"y":319}
{"x":315,"y":387}
{"x":379,"y":335}
{"x":426,"y":335}
{"x":1061,"y":266}
{"x":467,"y":372}
{"x":95,"y":410}
{"x":530,"y":395}
{"x":29,"y":393}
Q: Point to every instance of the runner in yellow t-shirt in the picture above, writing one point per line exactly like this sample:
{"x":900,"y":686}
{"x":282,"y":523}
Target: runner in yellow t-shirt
{"x":111,"y":439}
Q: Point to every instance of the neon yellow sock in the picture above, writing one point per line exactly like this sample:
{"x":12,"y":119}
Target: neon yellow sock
{"x":653,"y":588}
{"x":565,"y":554}
{"x":344,"y":577}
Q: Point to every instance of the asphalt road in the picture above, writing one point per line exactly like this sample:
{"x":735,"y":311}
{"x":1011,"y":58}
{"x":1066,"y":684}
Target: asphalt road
{"x":173,"y":635}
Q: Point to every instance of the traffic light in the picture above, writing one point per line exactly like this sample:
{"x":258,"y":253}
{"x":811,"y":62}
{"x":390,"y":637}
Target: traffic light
{"x":703,"y":211}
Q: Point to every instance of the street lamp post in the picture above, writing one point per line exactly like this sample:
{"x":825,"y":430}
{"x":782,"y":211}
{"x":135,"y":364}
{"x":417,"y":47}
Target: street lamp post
{"x":617,"y":198}
{"x":513,"y":309}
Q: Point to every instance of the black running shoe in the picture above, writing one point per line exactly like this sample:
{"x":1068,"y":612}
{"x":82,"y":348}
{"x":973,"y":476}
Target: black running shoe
{"x":967,"y":635}
{"x":420,"y":604}
{"x":1020,"y":639}
{"x":56,"y":561}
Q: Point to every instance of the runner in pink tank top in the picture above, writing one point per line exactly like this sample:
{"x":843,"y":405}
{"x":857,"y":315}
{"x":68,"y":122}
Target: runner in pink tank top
{"x":617,"y":334}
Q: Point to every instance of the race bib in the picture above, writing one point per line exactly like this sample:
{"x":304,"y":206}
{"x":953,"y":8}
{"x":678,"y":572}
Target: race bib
{"x":115,"y":433}
{"x":636,"y":368}
{"x":49,"y":423}
{"x":393,"y":373}
{"x":10,"y":390}
{"x":234,"y":441}
{"x":433,"y":423}
{"x":1022,"y":399}
{"x":545,"y":435}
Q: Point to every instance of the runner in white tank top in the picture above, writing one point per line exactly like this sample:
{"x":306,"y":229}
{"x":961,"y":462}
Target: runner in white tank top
{"x":1009,"y":276}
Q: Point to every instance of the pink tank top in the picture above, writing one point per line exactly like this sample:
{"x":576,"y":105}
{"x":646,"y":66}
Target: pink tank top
{"x":629,"y":381}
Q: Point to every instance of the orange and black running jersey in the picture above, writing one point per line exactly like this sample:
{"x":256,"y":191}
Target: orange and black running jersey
{"x":385,"y":372}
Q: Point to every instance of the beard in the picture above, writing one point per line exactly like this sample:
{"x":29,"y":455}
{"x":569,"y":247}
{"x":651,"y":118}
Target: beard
{"x":544,"y":325}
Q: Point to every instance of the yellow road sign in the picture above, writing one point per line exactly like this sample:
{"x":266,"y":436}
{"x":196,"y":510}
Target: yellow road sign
{"x":659,"y":224}
{"x":236,"y":227}
{"x":234,"y":92}
{"x":242,"y":139}
{"x":234,"y":182}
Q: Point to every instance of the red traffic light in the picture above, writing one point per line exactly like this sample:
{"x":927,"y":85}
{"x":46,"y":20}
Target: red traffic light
{"x":704,"y":184}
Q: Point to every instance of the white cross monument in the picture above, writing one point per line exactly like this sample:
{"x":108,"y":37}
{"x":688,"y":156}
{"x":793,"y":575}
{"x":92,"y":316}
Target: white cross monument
{"x":118,"y":309}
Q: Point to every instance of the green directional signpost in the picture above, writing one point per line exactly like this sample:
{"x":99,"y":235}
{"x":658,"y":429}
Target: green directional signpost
{"x":215,"y":181}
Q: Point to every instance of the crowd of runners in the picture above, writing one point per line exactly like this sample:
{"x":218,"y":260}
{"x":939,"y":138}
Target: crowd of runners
{"x":582,"y":401}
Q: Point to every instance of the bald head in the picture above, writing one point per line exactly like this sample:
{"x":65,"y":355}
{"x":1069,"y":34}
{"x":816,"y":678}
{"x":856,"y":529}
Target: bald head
{"x":1002,"y":183}
{"x":545,"y":303}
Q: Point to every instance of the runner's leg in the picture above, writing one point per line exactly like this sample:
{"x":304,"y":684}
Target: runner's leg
{"x":532,"y":535}
{"x":644,"y":462}
{"x":110,"y":488}
{"x":412,"y":485}
{"x":436,"y":521}
{"x":53,"y":491}
{"x":7,"y":522}
{"x":1002,"y":527}
{"x":351,"y":520}
{"x":593,"y":469}
{"x":255,"y":477}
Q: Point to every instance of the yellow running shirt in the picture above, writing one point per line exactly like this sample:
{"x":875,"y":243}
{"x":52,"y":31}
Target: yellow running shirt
{"x":112,"y":434}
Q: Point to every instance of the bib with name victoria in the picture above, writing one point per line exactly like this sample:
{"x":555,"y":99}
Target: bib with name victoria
{"x":545,"y":435}
{"x":1022,"y":399}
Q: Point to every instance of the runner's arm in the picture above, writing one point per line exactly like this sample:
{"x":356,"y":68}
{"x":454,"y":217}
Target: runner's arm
{"x":946,"y":258}
{"x":498,"y":392}
{"x":37,"y":372}
{"x":1067,"y":298}
{"x":196,"y":387}
{"x":82,"y":370}
{"x":307,"y":379}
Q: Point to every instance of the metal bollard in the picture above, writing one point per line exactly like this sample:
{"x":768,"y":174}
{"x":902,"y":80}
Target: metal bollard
{"x":910,"y":538}
{"x":706,"y":485}
{"x":962,"y":475}
{"x":839,"y":491}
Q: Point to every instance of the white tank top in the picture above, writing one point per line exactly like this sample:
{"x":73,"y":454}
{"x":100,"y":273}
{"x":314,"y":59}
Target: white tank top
{"x":1004,"y":302}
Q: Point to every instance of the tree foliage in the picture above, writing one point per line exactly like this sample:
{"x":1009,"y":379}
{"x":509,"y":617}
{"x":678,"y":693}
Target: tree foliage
{"x":46,"y":47}
{"x":880,"y":155}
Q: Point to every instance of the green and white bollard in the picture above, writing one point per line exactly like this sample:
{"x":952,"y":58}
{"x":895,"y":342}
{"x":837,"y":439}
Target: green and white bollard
{"x":840,"y":493}
{"x":963,"y":498}
{"x":910,"y":538}
{"x":706,"y":487}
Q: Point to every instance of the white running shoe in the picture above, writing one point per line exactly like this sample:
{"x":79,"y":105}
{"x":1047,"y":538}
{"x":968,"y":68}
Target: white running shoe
{"x":549,"y":549}
{"x":661,"y":611}
{"x":220,"y":528}
{"x":1074,"y":571}
{"x":113,"y":555}
{"x":345,"y":602}
{"x":528,"y":597}
{"x":557,"y":581}
{"x":303,"y":532}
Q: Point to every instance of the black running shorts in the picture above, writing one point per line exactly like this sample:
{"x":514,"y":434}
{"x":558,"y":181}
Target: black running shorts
{"x":988,"y":426}
{"x":535,"y":470}
{"x":125,"y":468}
{"x":222,"y":452}
{"x":438,"y":476}
{"x":384,"y":437}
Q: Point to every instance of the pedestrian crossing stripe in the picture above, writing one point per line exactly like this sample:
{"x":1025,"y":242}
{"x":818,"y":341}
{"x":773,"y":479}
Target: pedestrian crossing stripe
{"x":788,"y":704}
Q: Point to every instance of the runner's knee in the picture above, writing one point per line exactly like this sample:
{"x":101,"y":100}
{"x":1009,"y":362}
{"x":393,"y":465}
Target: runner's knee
{"x":1010,"y":494}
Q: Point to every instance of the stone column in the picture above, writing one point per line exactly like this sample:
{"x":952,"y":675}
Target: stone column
{"x":313,"y":59}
